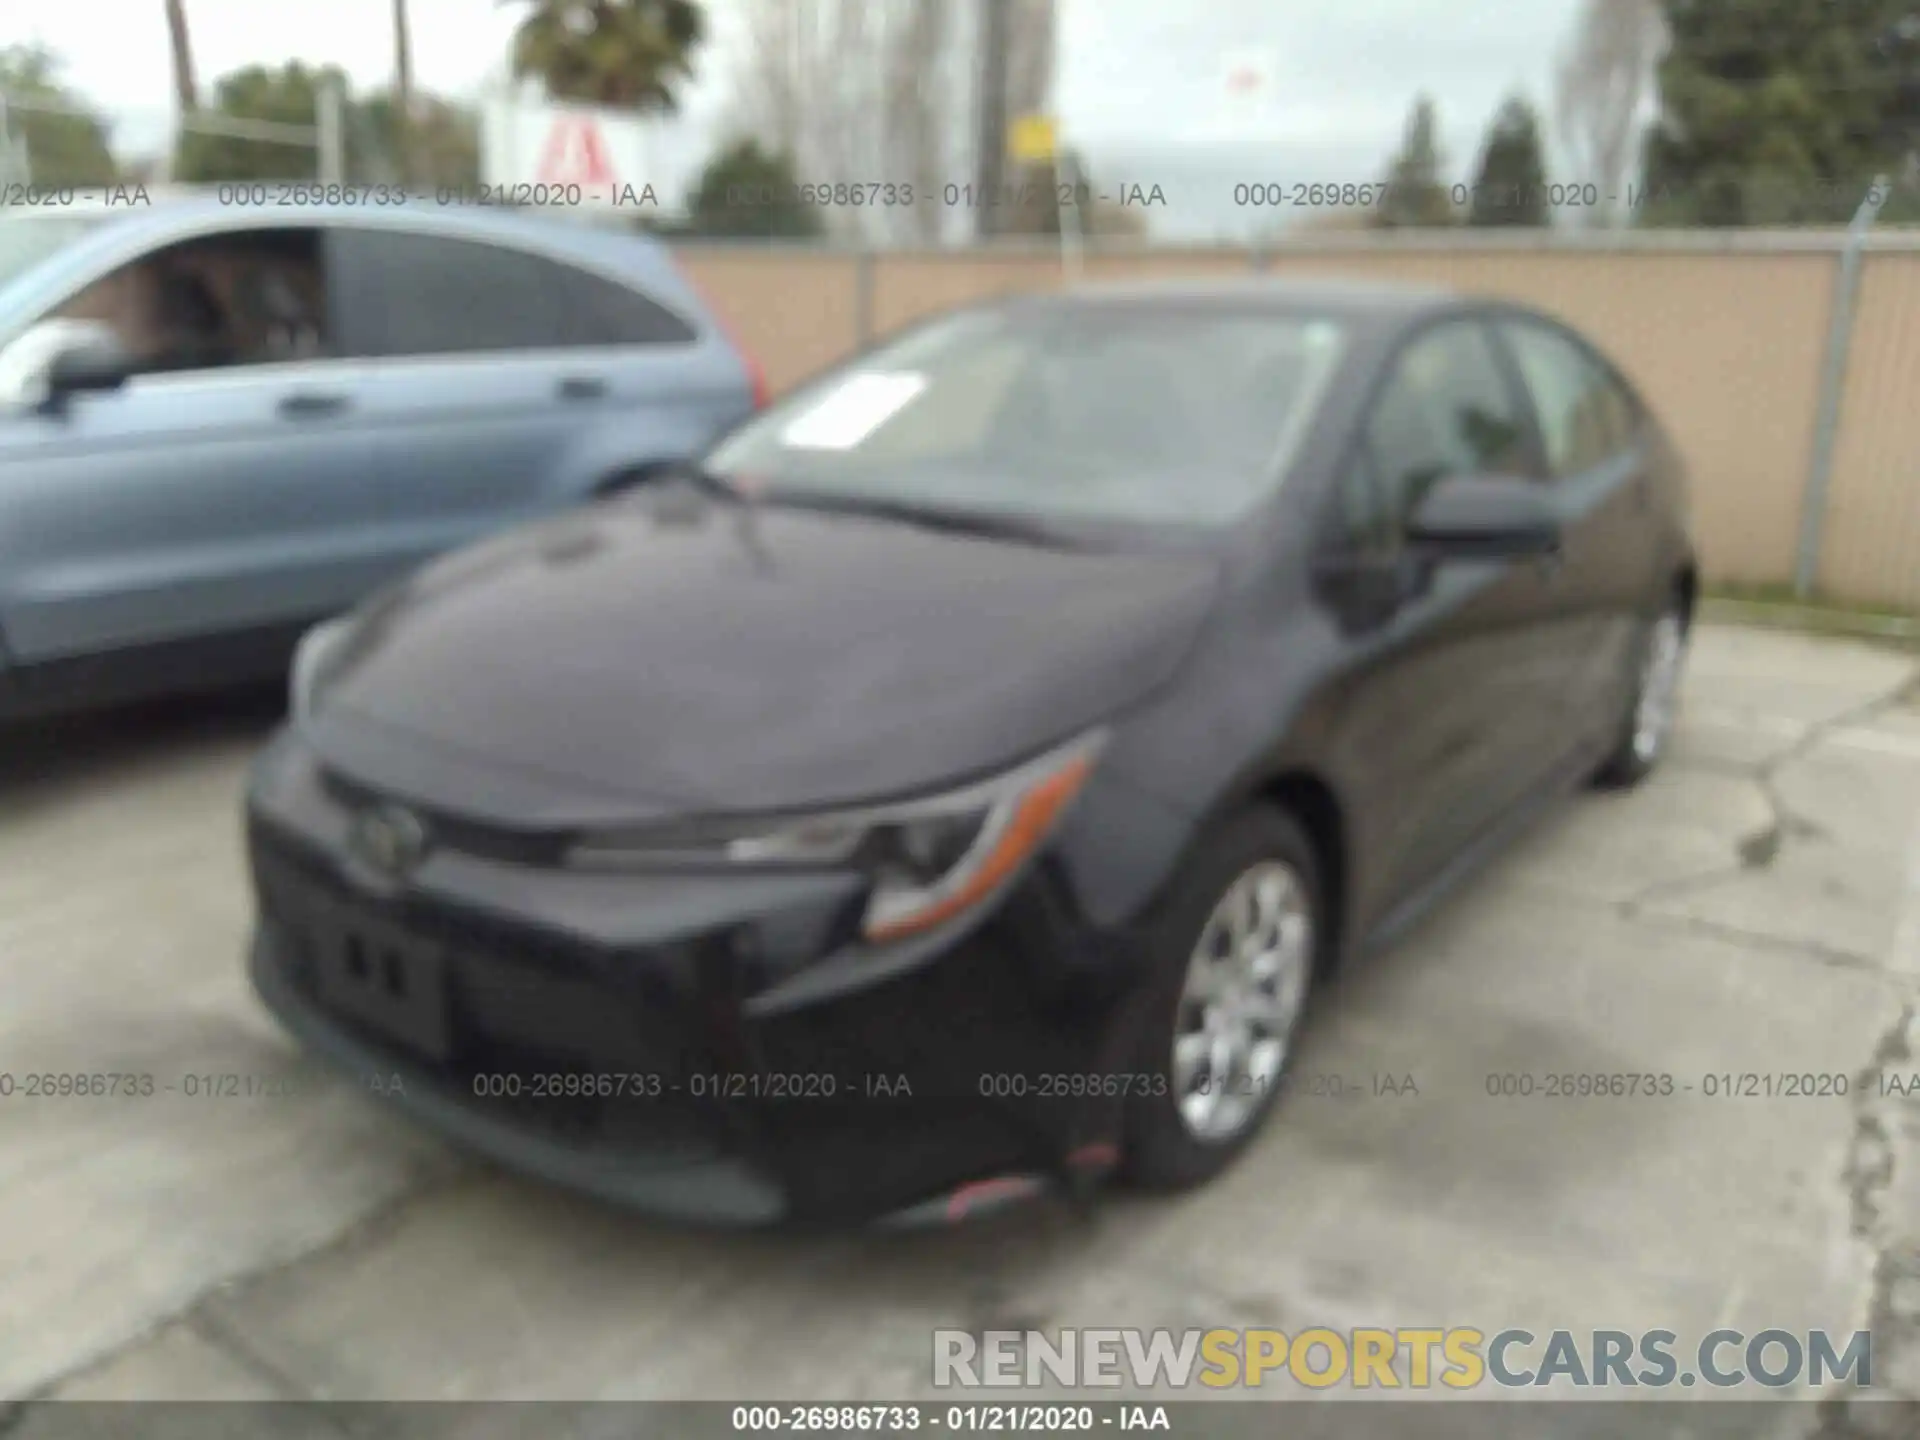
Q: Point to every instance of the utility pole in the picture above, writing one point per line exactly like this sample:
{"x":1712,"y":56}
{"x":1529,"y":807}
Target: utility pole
{"x":1833,"y":384}
{"x":402,"y":91}
{"x":328,"y":139}
{"x":990,"y":164}
{"x":16,"y":161}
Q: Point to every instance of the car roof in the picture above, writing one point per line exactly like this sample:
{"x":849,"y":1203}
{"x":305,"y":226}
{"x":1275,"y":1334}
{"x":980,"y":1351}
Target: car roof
{"x":193,"y":209}
{"x":1386,"y":304}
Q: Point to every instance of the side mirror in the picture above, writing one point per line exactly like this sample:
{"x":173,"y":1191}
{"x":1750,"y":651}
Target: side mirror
{"x":1485,"y":516}
{"x":92,"y":361}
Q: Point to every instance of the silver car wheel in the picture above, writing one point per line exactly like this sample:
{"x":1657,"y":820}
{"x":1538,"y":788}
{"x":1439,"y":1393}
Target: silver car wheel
{"x":1659,"y":698}
{"x":1246,"y":985}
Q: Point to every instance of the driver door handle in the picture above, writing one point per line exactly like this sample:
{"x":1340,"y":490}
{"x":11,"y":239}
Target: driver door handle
{"x":582,"y":387}
{"x":312,"y":404}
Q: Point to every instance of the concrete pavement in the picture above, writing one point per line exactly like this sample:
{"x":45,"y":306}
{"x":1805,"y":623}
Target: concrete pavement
{"x":1754,"y":909}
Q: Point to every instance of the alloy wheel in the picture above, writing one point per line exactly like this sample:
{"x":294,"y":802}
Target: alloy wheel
{"x":1246,"y":985}
{"x":1659,"y":697}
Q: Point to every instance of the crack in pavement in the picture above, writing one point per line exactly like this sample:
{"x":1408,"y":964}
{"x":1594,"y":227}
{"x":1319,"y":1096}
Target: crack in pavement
{"x":367,"y":1229}
{"x":1794,"y":947}
{"x":1869,"y":1165}
{"x":1872,"y":1156}
{"x":1882,"y":1149}
{"x":1831,"y":956}
{"x":1867,"y":1174}
{"x":1760,"y":849}
{"x":200,"y":1322}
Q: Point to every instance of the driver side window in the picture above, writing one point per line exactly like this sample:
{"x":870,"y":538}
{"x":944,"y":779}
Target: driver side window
{"x":1444,"y":410}
{"x":122,"y":301}
{"x":245,"y":298}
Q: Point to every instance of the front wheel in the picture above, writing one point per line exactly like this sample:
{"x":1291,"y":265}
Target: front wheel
{"x":1655,"y":703}
{"x":1240,"y":939}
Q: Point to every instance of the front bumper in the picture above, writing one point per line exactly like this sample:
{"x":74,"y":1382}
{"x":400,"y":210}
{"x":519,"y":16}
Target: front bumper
{"x":711,"y":1190}
{"x":699,"y":1047}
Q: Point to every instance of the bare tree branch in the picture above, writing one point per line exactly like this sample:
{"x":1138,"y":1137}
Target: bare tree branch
{"x":816,"y":74}
{"x":1030,"y":57}
{"x":918,"y":112}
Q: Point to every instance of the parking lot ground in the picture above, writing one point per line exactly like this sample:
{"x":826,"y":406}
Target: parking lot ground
{"x":1753,"y":910}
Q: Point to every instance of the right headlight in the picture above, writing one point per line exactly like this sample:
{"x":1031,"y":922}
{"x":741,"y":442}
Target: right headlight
{"x":930,"y":860}
{"x":313,"y":659}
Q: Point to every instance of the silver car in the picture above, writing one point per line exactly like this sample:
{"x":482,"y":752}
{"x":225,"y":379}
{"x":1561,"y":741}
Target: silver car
{"x":219,"y":424}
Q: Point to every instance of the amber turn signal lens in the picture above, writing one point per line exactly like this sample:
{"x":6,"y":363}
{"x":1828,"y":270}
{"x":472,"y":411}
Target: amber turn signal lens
{"x":1032,"y":817}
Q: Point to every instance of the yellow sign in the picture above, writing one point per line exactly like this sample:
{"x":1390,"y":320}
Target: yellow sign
{"x":1031,"y":139}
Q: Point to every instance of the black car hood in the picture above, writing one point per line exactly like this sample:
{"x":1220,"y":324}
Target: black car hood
{"x":639,"y":660}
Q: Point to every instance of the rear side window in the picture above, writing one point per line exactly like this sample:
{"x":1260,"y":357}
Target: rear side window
{"x":1585,"y":416}
{"x":433,"y":295}
{"x":609,"y":313}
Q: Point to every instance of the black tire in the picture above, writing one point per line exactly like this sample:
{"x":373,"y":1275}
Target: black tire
{"x":1160,"y":1151}
{"x":1630,"y":762}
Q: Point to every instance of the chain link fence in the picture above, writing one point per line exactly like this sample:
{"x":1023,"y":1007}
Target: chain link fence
{"x":51,"y":143}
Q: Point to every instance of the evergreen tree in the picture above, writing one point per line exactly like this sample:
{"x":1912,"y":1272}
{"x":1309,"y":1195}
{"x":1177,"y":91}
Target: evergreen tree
{"x":1782,"y":111}
{"x":1415,"y":194}
{"x":746,"y":190}
{"x":1510,"y":186}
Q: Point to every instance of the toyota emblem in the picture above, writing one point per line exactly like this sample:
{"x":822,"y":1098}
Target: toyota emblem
{"x":390,"y":838}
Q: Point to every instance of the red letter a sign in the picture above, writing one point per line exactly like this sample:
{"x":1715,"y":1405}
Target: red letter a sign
{"x":575,"y":153}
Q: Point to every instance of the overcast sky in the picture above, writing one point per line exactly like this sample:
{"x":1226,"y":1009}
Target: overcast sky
{"x":1140,"y":84}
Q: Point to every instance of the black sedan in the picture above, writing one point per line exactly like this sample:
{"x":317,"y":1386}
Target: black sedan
{"x":959,"y":783}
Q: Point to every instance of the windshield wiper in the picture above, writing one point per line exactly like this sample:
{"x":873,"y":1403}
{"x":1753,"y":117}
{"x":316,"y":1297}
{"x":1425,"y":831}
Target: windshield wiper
{"x":990,"y":524}
{"x":711,"y":481}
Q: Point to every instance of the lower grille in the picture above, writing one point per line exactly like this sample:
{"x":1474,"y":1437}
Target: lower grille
{"x":504,"y":1034}
{"x":645,"y":1111}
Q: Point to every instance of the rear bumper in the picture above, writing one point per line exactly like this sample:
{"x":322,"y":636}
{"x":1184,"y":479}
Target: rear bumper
{"x":699,"y":1049}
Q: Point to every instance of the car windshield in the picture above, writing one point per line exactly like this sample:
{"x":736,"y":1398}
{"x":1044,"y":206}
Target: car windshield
{"x":26,"y":240}
{"x":1132,"y":414}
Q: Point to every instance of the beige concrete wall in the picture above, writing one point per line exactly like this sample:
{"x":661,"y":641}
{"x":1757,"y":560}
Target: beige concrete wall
{"x":797,"y":312}
{"x":1726,"y":348}
{"x":908,"y":287}
{"x":1724,"y":336}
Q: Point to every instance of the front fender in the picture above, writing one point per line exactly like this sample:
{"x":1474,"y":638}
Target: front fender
{"x":1260,"y":705}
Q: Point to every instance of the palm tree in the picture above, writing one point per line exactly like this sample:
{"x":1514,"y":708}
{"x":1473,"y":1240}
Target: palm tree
{"x":402,"y":91}
{"x":629,"y":54}
{"x":185,"y":93}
